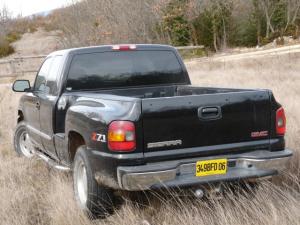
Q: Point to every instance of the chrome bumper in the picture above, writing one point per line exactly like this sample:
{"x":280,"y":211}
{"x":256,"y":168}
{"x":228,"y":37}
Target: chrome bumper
{"x":180,"y":173}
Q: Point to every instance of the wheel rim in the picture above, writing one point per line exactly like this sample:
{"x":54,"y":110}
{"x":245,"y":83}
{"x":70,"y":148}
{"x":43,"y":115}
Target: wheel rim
{"x":81,"y":181}
{"x":25,"y":144}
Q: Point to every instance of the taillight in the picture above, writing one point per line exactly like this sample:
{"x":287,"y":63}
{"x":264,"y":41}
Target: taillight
{"x":280,"y":122}
{"x":121,"y":136}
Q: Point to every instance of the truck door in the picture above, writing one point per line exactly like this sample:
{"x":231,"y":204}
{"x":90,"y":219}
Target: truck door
{"x":32,"y":105}
{"x":48,"y":101}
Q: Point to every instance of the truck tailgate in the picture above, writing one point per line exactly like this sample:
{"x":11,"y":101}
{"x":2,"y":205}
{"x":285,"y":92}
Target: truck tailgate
{"x":205,"y":120}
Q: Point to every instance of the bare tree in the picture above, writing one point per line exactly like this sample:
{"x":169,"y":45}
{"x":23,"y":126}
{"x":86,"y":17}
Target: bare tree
{"x":293,"y":9}
{"x":220,"y":11}
{"x":5,"y":17}
{"x":93,"y":22}
{"x":268,"y":7}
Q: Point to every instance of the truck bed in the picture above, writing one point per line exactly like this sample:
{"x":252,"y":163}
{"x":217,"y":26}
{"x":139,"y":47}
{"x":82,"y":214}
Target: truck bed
{"x":185,"y":117}
{"x":169,"y":91}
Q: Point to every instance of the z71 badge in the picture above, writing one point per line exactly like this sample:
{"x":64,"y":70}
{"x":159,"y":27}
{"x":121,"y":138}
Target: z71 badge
{"x":98,"y":137}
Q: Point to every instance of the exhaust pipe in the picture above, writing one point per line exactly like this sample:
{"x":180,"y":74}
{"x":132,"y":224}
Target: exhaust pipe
{"x":215,"y":192}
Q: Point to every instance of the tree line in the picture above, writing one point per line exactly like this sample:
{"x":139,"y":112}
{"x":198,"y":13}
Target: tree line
{"x":216,"y":24}
{"x":221,"y":23}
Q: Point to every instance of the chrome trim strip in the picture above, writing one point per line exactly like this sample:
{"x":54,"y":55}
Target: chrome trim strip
{"x":52,"y":163}
{"x":38,"y":132}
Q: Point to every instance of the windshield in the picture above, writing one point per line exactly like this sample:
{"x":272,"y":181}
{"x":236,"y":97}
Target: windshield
{"x":124,"y":68}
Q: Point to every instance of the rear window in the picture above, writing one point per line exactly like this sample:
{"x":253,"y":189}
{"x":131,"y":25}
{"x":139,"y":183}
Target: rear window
{"x":124,"y":68}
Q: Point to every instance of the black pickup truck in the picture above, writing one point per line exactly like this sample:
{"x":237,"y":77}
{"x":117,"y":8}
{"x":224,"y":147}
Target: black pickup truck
{"x":126,"y":117}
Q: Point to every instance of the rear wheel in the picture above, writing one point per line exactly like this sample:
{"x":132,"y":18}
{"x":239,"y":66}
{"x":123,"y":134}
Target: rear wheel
{"x":95,"y":200}
{"x":22,"y":142}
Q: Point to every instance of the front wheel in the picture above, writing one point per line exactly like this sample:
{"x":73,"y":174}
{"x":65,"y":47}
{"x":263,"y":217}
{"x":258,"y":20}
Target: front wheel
{"x":93,"y":199}
{"x":22,"y":142}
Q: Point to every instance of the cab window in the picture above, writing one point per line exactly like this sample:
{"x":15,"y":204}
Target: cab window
{"x":53,"y":75}
{"x":40,"y":82}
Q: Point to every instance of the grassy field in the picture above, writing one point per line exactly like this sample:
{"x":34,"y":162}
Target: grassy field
{"x":32,"y":193}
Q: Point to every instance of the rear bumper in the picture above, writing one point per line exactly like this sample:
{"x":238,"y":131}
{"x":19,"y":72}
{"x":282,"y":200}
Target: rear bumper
{"x":181,"y":173}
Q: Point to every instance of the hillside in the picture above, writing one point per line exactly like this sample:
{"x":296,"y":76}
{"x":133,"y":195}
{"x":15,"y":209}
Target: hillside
{"x":40,"y":42}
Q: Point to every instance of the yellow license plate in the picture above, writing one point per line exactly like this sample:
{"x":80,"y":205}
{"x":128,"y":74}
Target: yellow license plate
{"x":211,"y":167}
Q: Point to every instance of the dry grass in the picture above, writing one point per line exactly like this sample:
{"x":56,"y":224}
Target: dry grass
{"x":31,"y":193}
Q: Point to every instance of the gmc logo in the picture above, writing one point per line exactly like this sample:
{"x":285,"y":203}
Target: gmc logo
{"x":259,"y":134}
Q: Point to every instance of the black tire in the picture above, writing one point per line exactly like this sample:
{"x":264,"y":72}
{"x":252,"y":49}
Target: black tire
{"x":18,"y":146}
{"x":99,"y":200}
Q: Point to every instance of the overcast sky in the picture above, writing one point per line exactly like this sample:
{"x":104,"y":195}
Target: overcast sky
{"x":29,"y":7}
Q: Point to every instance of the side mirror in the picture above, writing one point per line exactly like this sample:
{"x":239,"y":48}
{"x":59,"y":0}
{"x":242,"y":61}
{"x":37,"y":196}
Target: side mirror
{"x":21,"y":86}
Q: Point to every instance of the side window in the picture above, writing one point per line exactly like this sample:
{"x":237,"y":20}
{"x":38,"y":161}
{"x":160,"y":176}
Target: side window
{"x":40,"y":82}
{"x":53,"y":75}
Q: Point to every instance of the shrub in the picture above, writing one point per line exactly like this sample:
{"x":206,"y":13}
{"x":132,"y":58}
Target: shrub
{"x":292,"y":30}
{"x":244,"y":34}
{"x":176,"y":24}
{"x":195,"y":53}
{"x":203,"y":29}
{"x":12,"y":37}
{"x":5,"y":49}
{"x":32,"y":29}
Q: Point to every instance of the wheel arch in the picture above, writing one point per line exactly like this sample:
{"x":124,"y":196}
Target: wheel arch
{"x":20,"y":116}
{"x":75,"y":140}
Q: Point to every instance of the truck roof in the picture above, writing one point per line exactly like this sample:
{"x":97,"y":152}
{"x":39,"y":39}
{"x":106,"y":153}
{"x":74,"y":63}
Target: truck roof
{"x":103,"y":48}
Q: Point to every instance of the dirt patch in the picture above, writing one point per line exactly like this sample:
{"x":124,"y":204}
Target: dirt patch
{"x":40,"y":42}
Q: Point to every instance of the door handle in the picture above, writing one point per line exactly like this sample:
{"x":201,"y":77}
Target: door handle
{"x":210,"y":113}
{"x":37,"y":105}
{"x":207,"y":111}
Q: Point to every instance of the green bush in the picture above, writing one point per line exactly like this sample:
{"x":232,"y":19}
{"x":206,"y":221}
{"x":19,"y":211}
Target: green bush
{"x":195,"y":53}
{"x":204,"y":29}
{"x":176,"y":24}
{"x":265,"y":40}
{"x":5,"y":49}
{"x":244,"y":33}
{"x":5,"y":43}
{"x":292,"y":30}
{"x":12,"y":37}
{"x":32,"y":29}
